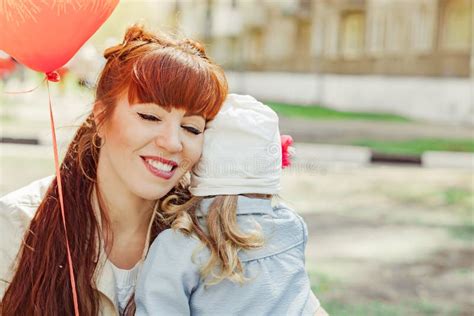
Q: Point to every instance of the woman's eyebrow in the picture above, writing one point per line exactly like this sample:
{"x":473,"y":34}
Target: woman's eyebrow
{"x":186,"y":114}
{"x":193,"y":114}
{"x":148,"y":104}
{"x":153,"y":106}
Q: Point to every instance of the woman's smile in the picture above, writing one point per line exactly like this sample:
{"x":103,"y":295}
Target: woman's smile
{"x":159,"y":166}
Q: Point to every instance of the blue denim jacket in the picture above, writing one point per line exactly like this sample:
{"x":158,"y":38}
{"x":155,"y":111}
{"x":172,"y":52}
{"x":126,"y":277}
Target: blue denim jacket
{"x":170,"y":283}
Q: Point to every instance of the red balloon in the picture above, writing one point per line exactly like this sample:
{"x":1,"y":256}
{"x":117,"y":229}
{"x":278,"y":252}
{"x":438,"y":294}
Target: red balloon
{"x":44,"y":35}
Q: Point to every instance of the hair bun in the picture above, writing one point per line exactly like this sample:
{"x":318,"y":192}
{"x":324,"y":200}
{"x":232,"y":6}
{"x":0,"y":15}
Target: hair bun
{"x":113,"y":51}
{"x":137,"y":32}
{"x":194,"y":45}
{"x":136,"y":35}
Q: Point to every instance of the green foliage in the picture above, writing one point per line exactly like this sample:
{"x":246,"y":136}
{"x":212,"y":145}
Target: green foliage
{"x":418,"y":146}
{"x":321,"y":113}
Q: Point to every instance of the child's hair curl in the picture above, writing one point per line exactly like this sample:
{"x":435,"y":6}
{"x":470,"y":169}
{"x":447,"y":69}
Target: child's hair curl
{"x":220,"y":234}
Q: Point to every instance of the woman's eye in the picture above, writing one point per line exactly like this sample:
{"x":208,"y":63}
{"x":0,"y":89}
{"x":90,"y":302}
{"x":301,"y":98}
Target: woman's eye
{"x":149,"y":117}
{"x":192,"y":130}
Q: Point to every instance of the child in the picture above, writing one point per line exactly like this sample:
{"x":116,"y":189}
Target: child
{"x":229,"y":252}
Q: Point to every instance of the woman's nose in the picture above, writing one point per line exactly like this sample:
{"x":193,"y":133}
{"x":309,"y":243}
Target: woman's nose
{"x":170,"y":139}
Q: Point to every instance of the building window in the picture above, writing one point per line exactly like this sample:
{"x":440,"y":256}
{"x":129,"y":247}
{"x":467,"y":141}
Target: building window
{"x":331,"y":34}
{"x":376,"y":23}
{"x":422,"y":33}
{"x":456,"y":16}
{"x":397,"y":29}
{"x":352,"y":34}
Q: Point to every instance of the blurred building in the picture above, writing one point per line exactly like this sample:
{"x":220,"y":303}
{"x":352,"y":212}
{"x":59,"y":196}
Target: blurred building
{"x":396,"y":37}
{"x":408,"y":57}
{"x":390,"y":37}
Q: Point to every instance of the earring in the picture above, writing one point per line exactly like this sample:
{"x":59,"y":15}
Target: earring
{"x":94,"y":141}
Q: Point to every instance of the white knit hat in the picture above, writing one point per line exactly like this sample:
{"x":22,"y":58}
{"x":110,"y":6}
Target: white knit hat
{"x":241,"y":152}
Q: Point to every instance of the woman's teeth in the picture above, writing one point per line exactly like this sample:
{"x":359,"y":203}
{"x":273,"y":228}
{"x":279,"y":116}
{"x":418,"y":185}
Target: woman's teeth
{"x":159,"y":165}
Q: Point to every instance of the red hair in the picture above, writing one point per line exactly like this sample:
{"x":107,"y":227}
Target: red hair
{"x":150,"y":68}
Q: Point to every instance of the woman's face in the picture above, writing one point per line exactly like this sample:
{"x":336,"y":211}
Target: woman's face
{"x":147,"y":149}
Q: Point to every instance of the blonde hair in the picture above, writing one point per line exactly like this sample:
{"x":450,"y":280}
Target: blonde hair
{"x":221,"y":234}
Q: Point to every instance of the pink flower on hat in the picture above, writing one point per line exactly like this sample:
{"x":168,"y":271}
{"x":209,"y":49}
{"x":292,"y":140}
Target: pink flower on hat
{"x":286,"y":142}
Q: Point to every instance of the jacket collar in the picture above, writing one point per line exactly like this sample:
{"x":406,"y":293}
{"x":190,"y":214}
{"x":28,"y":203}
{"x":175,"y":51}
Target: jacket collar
{"x":245,"y":206}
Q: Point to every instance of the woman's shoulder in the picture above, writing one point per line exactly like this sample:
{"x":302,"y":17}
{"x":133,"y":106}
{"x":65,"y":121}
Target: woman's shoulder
{"x":29,"y":195}
{"x":16,"y":211}
{"x":18,"y":208}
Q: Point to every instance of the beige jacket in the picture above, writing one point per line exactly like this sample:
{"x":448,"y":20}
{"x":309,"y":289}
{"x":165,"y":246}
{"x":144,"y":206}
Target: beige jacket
{"x":16,"y":211}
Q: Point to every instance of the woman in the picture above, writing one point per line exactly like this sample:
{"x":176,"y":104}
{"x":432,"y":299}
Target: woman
{"x":153,"y":99}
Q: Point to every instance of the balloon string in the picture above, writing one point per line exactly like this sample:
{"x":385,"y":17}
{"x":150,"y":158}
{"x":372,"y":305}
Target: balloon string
{"x":61,"y":201}
{"x":27,"y":91}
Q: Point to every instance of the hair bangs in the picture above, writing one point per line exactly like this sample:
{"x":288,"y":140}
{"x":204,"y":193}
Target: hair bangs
{"x":178,"y":80}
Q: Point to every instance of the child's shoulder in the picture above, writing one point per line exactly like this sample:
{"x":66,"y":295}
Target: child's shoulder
{"x":176,"y":239}
{"x":288,"y":221}
{"x":174,"y":243}
{"x":282,"y":231}
{"x":284,"y":212}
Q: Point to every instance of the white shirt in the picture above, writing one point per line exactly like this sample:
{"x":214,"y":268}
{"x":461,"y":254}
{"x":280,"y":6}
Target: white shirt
{"x":125,"y":281}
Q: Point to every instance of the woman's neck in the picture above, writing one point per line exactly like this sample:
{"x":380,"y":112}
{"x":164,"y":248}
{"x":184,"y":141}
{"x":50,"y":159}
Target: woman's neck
{"x":128,"y":220}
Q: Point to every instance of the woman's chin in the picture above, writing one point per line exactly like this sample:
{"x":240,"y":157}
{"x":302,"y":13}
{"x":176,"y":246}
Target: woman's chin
{"x":152,"y":192}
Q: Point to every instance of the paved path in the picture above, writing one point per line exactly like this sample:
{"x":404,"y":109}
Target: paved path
{"x":339,"y":132}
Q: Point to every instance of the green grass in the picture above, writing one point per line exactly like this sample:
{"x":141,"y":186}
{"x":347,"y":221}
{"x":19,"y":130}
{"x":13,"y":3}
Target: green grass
{"x":460,"y":196}
{"x":325,"y":287}
{"x":464,"y":232}
{"x":375,"y":308}
{"x":321,"y":113}
{"x":417,"y":146}
{"x":322,"y":283}
{"x":462,"y":199}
